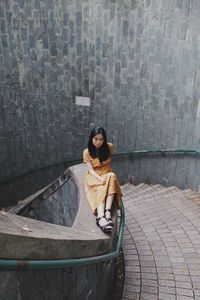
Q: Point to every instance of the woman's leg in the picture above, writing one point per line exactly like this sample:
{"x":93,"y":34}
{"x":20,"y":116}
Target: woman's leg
{"x":100,"y":214}
{"x":100,"y":210}
{"x":109,"y":202}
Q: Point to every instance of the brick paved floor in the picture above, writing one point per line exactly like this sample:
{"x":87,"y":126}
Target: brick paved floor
{"x":161,"y":243}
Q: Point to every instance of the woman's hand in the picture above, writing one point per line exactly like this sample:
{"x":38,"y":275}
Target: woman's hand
{"x":103,"y":180}
{"x":91,"y":171}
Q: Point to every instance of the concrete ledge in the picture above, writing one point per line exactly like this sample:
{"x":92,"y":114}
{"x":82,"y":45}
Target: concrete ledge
{"x":26,"y":238}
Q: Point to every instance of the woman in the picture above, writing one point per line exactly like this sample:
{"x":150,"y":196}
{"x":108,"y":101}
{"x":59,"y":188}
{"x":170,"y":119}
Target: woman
{"x":101,"y":184}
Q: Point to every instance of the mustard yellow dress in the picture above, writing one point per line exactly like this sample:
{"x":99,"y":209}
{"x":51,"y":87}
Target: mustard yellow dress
{"x":97,"y":192}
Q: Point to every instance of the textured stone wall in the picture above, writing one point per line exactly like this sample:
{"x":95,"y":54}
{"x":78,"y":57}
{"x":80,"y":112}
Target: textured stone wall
{"x":25,"y":185}
{"x":86,"y":282}
{"x":138,"y":61}
{"x":169,"y":169}
{"x":60,"y":207}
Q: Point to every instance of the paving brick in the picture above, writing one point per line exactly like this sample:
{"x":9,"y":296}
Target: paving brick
{"x":133,"y":263}
{"x":182,"y":278}
{"x":132,"y":274}
{"x":173,"y":268}
{"x":181,"y":297}
{"x":149,"y":289}
{"x":149,"y":276}
{"x":130,"y":295}
{"x":132,"y":281}
{"x":184,"y":292}
{"x":147,"y":296}
{"x":163,"y":296}
{"x":196,"y":292}
{"x":131,"y":288}
{"x":167,"y":289}
{"x":166,"y":283}
{"x":149,"y":282}
{"x":196,"y":285}
{"x":148,"y":263}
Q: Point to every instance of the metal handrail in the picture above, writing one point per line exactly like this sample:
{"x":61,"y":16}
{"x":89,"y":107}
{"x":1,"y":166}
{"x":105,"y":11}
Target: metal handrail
{"x":12,"y":264}
{"x":9,"y":264}
{"x":135,"y":152}
{"x":157,"y":151}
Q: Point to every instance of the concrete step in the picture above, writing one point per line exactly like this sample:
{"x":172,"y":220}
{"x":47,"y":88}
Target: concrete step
{"x":161,"y":243}
{"x":149,"y":190}
{"x":129,"y":186}
{"x":146,"y":191}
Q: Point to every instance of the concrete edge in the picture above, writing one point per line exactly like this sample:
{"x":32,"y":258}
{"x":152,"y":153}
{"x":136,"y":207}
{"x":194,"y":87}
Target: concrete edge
{"x":88,"y":240}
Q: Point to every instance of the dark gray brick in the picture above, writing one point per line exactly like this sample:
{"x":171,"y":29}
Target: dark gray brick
{"x":53,"y":48}
{"x":4,"y":40}
{"x":85,"y":27}
{"x":3,"y":26}
{"x":117,"y":82}
{"x":78,"y":18}
{"x":125,"y":27}
{"x":124,"y":60}
{"x":66,"y":18}
{"x":79,"y":49}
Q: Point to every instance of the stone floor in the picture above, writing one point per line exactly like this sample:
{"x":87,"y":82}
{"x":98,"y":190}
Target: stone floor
{"x":161,"y":243}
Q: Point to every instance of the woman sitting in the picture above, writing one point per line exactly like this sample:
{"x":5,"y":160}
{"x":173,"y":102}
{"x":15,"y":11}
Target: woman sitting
{"x":101,"y":184}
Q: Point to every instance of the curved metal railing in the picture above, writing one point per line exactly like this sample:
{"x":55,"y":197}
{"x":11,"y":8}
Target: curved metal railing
{"x":160,"y":151}
{"x":78,"y":160}
{"x":9,"y":264}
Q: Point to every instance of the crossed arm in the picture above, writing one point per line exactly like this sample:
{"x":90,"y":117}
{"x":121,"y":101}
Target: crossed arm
{"x":93,"y":173}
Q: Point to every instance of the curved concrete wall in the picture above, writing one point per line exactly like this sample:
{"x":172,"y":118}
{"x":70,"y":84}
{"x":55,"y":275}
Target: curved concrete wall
{"x":137,"y":60}
{"x":59,"y":207}
{"x":75,"y":236}
{"x":88,"y":282}
{"x":22,"y":186}
{"x":181,"y":170}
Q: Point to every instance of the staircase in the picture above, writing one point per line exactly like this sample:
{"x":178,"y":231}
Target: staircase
{"x":161,"y":243}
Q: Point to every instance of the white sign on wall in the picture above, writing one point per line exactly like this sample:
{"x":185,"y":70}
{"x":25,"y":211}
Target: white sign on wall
{"x":85,"y":101}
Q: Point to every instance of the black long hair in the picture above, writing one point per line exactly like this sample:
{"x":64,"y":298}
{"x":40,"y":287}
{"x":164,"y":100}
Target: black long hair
{"x":103,"y":153}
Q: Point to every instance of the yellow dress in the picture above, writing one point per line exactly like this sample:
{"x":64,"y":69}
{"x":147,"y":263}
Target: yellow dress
{"x":97,"y":192}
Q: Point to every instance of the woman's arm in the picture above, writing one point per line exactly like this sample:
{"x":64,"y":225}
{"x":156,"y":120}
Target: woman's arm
{"x":93,"y":173}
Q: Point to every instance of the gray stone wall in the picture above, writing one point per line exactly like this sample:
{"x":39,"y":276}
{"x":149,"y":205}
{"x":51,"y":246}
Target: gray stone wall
{"x":25,"y":185}
{"x":138,"y":61}
{"x":22,"y":186}
{"x":182,"y":170}
{"x":60,"y":207}
{"x":92,"y":282}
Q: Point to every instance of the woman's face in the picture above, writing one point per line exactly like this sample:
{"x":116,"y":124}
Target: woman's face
{"x":98,"y":140}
